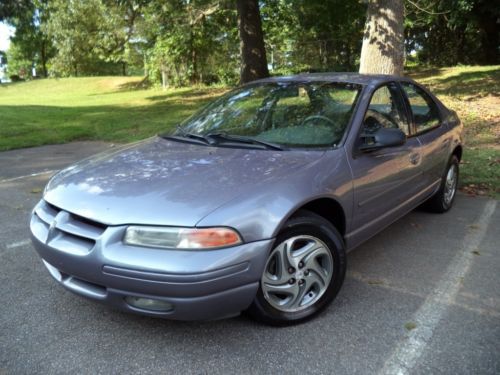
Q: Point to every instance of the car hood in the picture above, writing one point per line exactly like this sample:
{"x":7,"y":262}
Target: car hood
{"x":162,"y":182}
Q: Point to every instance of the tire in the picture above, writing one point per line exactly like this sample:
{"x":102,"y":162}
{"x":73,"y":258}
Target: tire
{"x":442,"y":201}
{"x":299,"y":283}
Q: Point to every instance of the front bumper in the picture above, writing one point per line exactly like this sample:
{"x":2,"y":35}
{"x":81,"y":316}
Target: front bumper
{"x":91,"y":260}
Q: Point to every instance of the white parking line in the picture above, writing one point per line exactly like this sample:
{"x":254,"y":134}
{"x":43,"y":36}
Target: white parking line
{"x":386,"y":284}
{"x":26,"y":176}
{"x":18,"y":244}
{"x":427,"y":317}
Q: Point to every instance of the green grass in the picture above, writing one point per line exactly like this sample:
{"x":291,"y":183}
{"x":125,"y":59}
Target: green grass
{"x":480,"y":171}
{"x":473,"y":91}
{"x":115,"y":109}
{"x":104,"y":108}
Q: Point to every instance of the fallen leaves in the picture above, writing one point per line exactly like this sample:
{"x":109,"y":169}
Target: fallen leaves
{"x":476,"y":189}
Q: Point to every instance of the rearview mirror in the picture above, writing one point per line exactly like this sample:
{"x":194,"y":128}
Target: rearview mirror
{"x":383,"y":137}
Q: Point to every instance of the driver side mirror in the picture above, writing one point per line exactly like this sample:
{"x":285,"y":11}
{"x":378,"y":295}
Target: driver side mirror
{"x":381,"y":138}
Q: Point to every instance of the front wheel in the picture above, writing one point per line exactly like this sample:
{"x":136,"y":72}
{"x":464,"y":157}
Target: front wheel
{"x":443,"y":199}
{"x":303,"y":273}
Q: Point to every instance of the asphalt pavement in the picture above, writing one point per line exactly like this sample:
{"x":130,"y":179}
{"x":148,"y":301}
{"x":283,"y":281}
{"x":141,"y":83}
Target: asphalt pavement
{"x":422,"y":297}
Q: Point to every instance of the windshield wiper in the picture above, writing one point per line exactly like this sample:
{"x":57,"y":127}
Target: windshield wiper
{"x":246,"y":140}
{"x":183,"y":134}
{"x":213,"y":139}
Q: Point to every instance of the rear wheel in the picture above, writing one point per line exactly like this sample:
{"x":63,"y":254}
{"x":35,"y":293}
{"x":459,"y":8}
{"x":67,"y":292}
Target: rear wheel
{"x":443,"y":199}
{"x":303,"y":273}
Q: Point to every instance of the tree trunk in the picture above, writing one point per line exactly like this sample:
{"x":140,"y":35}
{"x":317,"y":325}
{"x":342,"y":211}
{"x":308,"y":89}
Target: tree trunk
{"x":164,"y":79}
{"x":252,"y":49}
{"x":383,"y":41}
{"x":43,"y":58}
{"x":194,"y":61}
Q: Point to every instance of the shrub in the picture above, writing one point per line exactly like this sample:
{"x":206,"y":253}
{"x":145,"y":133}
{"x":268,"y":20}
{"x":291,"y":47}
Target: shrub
{"x":15,"y":78}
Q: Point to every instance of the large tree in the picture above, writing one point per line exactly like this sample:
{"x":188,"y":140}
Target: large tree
{"x":383,"y":41}
{"x":92,"y":37}
{"x":30,"y":40}
{"x":252,"y":49}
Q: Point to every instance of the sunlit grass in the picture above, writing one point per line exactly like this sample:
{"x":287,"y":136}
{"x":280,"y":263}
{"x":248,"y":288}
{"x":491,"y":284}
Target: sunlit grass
{"x":473,"y":92}
{"x":95,"y":108}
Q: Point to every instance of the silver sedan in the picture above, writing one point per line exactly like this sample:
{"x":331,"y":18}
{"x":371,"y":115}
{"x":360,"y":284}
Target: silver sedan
{"x":252,"y":203}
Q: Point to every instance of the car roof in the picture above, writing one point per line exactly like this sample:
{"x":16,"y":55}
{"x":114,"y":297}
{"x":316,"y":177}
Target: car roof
{"x":357,"y":78}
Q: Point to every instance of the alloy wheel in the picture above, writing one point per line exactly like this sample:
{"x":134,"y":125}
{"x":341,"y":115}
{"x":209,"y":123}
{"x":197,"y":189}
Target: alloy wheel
{"x":297,"y":273}
{"x":450,"y":186}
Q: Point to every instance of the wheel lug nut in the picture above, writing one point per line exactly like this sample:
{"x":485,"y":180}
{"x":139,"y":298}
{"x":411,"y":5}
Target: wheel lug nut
{"x":291,"y":281}
{"x":301,"y":282}
{"x":291,"y":270}
{"x":306,"y":272}
{"x":301,"y":264}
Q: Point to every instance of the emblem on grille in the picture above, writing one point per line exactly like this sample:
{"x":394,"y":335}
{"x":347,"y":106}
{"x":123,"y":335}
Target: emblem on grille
{"x":52,"y":231}
{"x":60,"y":217}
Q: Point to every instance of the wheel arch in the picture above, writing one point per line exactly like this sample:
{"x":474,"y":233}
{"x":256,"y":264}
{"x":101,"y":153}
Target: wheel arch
{"x":457,"y":151}
{"x":328,"y":208}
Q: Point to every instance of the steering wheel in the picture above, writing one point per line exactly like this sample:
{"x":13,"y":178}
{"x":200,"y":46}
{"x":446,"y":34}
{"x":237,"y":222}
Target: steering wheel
{"x":382,"y":119}
{"x":318,"y":117}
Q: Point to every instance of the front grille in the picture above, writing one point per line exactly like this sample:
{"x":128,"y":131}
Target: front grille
{"x":65,"y":231}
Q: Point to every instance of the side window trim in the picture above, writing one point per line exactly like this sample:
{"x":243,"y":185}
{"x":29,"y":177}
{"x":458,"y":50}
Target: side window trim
{"x":409,"y":112}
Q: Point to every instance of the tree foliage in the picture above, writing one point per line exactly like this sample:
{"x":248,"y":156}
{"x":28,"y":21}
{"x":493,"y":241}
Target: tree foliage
{"x":191,"y":41}
{"x":18,"y":64}
{"x":84,"y":36}
{"x":313,"y":35}
{"x":181,"y":42}
{"x":32,"y":47}
{"x":449,"y":32}
{"x":12,"y":8}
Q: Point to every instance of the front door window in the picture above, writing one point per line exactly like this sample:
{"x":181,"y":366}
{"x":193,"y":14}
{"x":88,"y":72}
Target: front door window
{"x":386,"y":110}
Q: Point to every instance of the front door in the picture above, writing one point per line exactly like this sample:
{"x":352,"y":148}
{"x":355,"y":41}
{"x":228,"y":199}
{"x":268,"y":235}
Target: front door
{"x":387,"y":180}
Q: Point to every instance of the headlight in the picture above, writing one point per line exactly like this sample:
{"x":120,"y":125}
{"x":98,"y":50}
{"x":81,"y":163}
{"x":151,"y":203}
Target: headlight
{"x":181,"y":238}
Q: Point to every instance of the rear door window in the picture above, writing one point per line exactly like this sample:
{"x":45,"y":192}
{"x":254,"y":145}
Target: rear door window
{"x":425,"y":111}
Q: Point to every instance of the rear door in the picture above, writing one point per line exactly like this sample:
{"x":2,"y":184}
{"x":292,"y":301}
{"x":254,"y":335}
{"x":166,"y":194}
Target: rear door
{"x":428,"y":127}
{"x":385,"y":180}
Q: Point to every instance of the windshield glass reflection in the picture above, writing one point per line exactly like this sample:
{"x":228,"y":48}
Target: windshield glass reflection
{"x":291,"y":114}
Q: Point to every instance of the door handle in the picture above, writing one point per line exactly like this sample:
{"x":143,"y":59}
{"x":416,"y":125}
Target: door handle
{"x":414,"y":158}
{"x":445,"y":143}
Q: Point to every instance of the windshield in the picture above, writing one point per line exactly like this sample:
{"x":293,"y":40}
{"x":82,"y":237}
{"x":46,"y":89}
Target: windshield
{"x":289,"y":114}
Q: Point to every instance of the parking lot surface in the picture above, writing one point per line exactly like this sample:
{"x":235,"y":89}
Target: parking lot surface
{"x":421,"y":297}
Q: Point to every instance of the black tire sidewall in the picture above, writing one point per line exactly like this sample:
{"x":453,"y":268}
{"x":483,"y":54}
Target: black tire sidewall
{"x":436,"y":203}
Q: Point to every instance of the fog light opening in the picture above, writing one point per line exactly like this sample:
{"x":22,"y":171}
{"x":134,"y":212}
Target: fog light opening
{"x":149,"y":304}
